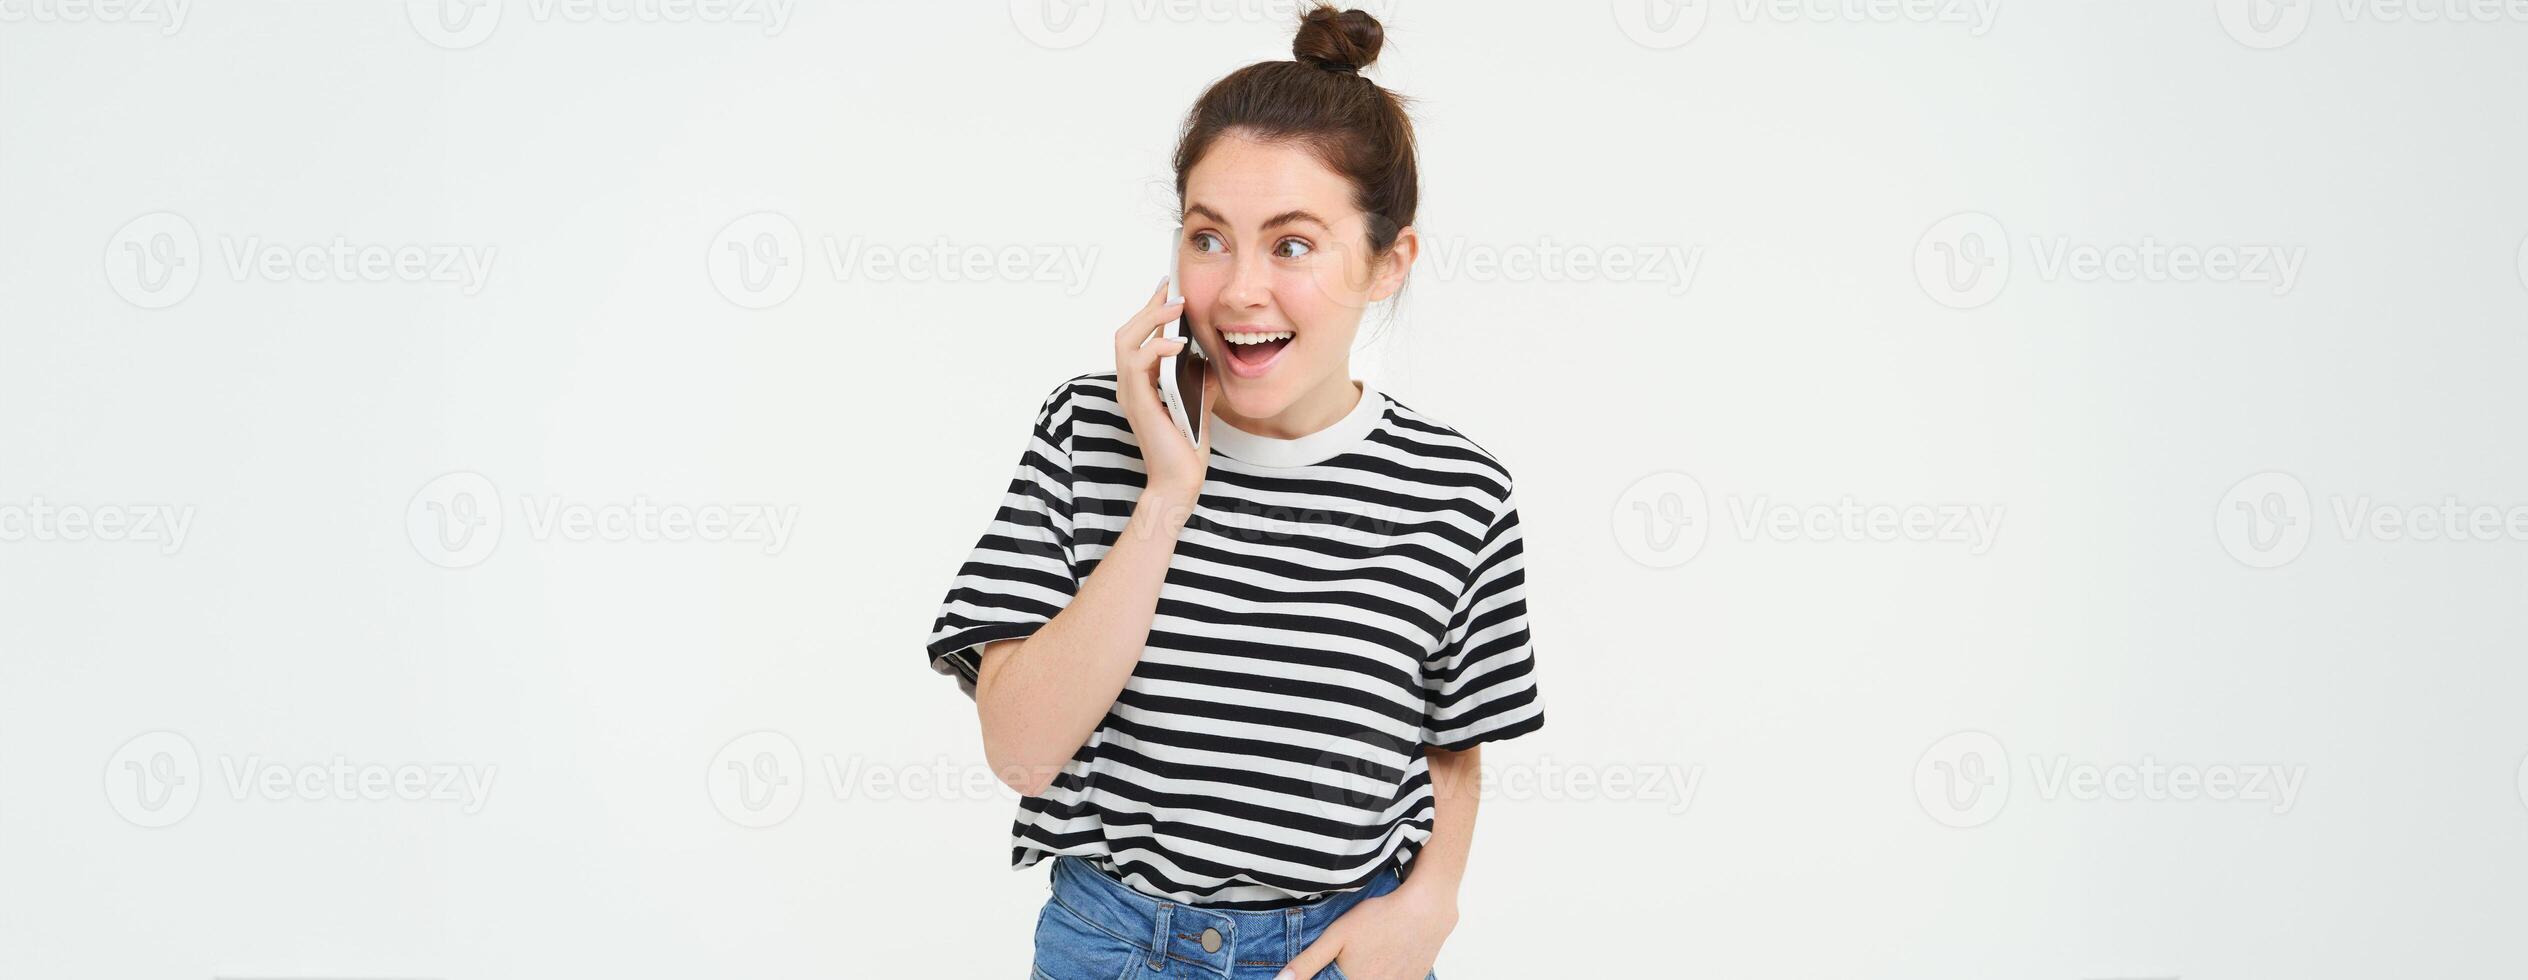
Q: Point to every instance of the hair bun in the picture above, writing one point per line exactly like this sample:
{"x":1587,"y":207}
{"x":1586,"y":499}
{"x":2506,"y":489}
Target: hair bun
{"x":1337,"y":40}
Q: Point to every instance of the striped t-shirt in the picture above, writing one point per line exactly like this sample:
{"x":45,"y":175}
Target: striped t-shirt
{"x":1335,"y":603}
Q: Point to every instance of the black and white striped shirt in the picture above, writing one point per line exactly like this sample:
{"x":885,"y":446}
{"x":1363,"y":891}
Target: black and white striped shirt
{"x":1335,"y":603}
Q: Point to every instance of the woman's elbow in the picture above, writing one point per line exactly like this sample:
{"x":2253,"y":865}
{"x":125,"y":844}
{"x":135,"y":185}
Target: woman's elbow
{"x":1027,"y":779}
{"x":1017,"y":765}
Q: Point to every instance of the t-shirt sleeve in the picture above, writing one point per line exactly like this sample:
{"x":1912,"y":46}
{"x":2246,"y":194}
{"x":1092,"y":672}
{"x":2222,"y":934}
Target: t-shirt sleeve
{"x":1020,"y":573}
{"x":1481,"y":687}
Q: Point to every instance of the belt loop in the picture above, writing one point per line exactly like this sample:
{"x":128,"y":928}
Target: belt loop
{"x":1158,"y":938}
{"x":1295,"y":928}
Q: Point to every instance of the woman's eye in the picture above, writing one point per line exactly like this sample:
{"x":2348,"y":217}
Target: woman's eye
{"x":1291,"y":248}
{"x":1206,"y":242}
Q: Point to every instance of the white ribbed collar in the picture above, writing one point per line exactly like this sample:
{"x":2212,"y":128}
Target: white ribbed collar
{"x":1315,"y":447}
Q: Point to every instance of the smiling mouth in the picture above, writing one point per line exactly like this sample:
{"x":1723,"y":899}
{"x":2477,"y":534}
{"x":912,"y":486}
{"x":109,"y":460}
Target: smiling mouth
{"x":1251,"y":353}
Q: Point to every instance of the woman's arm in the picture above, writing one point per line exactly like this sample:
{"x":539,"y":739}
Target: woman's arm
{"x":1042,"y":695}
{"x":1456,"y":786}
{"x":1398,"y":934}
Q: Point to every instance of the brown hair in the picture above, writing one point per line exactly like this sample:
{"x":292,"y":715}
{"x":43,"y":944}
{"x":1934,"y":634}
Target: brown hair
{"x":1319,"y":100}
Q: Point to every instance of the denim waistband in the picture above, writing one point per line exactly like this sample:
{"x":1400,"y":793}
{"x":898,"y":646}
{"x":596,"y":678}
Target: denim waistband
{"x":1175,"y":931}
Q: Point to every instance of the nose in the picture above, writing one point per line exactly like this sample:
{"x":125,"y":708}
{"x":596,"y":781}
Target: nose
{"x":1248,"y":283}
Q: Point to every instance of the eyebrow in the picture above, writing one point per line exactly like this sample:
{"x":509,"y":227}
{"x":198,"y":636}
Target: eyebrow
{"x":1284,"y":218}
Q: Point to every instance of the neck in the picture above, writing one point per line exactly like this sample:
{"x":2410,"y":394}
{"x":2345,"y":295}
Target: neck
{"x":1320,"y":407}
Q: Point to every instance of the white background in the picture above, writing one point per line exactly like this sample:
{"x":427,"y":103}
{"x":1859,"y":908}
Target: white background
{"x":1838,"y":340}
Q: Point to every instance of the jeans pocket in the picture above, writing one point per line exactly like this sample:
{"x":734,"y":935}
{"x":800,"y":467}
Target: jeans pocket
{"x":1069,"y":947}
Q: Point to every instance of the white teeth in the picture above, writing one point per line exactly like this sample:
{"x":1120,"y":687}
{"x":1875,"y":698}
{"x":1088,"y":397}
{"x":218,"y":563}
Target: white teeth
{"x":1255,"y":338}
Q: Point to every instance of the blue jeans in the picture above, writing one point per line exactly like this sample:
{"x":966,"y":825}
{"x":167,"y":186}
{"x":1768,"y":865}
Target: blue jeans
{"x":1097,"y":928}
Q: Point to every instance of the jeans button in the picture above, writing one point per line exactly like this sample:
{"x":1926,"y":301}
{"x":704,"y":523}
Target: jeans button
{"x":1211,"y":940}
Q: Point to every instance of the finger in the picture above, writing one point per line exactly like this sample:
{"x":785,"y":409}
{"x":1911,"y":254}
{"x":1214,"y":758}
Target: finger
{"x":1146,"y":324}
{"x":1152,"y":313}
{"x":1309,"y":961}
{"x":1137,"y":376}
{"x":1147,"y":355}
{"x":1159,"y":330}
{"x":1150,"y":369}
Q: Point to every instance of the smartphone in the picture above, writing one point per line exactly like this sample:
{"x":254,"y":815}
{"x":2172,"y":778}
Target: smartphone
{"x":1181,"y":373}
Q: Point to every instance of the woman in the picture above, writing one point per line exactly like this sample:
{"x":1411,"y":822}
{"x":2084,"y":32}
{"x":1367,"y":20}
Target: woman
{"x":1239,"y":682}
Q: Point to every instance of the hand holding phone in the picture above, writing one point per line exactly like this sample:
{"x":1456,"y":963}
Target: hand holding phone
{"x":1174,"y":467}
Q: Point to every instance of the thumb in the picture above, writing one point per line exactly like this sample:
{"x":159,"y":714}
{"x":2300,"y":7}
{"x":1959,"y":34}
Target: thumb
{"x":1311,"y":960}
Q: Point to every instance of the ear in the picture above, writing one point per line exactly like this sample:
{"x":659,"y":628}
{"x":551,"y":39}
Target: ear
{"x":1398,"y":261}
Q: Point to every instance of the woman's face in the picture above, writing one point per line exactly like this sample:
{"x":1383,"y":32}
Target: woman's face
{"x":1276,"y":272}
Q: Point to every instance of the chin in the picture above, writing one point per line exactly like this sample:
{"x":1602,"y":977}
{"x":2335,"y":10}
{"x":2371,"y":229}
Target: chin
{"x":1262,"y":398}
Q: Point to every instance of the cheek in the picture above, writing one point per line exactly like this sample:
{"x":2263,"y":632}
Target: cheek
{"x":1321,"y":296}
{"x":1318,"y":305}
{"x":1341,"y":283}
